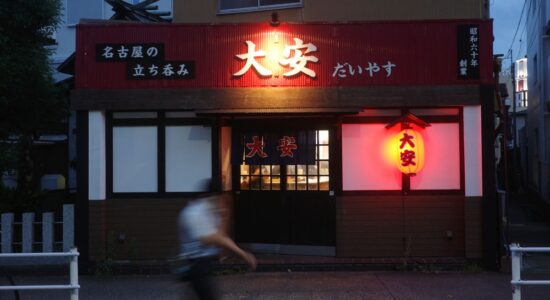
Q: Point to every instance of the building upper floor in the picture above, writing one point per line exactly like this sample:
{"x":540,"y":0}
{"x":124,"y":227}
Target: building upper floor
{"x":244,"y":11}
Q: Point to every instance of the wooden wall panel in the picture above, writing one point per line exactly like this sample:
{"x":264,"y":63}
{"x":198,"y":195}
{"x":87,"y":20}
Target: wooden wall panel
{"x":385,"y":226}
{"x":139,"y":229}
{"x":473,"y":224}
{"x":97,"y":230}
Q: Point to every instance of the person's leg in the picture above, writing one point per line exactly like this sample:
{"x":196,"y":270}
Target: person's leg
{"x":202,"y":283}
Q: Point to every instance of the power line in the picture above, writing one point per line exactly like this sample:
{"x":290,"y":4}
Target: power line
{"x":517,"y":29}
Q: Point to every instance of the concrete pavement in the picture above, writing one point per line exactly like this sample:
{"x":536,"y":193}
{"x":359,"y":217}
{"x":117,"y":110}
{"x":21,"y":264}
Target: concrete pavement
{"x":377,"y":285}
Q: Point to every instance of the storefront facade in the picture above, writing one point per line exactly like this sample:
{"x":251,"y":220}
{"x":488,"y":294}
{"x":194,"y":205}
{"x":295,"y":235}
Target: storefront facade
{"x":364,"y":139}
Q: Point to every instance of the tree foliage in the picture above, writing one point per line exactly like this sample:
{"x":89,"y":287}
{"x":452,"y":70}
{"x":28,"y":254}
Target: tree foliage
{"x":30,"y":103}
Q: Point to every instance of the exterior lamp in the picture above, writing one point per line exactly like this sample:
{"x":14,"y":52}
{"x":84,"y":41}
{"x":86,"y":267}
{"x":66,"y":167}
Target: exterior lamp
{"x":274,"y":19}
{"x":408,"y":145}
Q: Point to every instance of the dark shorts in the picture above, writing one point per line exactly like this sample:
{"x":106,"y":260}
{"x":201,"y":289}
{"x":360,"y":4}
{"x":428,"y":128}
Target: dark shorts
{"x":199,"y":276}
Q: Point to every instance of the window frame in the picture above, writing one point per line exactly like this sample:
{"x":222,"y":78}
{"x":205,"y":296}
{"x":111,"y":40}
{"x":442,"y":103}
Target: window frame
{"x":160,"y":122}
{"x":405,"y":179}
{"x":258,"y":7}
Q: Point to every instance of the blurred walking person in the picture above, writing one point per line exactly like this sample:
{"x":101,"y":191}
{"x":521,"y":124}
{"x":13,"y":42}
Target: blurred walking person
{"x":201,"y":239}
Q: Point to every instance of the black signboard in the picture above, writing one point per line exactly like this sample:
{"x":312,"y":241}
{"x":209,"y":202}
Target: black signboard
{"x":160,"y":70}
{"x":128,"y":52}
{"x":468,"y":51}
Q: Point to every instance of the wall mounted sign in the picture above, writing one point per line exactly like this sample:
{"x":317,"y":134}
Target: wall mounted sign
{"x":468,"y":51}
{"x":251,"y":55}
{"x":295,"y":57}
{"x":125,"y":52}
{"x":161,"y":70}
{"x":145,"y":61}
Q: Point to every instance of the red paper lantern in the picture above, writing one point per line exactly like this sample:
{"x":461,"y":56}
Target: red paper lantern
{"x":409,"y":147}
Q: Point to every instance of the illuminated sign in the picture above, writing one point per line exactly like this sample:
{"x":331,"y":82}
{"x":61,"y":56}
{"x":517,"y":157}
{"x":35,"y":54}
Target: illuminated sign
{"x":295,"y":57}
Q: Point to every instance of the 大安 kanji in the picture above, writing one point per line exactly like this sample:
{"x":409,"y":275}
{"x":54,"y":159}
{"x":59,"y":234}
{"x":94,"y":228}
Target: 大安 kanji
{"x":256,"y":147}
{"x":407,"y":139}
{"x":407,"y":158}
{"x":286,"y":145}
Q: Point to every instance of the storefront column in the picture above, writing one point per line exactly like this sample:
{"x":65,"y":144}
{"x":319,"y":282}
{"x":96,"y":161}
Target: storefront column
{"x":96,"y":155}
{"x":473,"y":182}
{"x":97,"y":183}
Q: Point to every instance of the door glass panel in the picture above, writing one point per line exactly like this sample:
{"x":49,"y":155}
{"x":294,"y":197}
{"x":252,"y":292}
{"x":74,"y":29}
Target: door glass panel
{"x":291,"y":183}
{"x":254,"y":182}
{"x":302,"y":183}
{"x":312,"y":183}
{"x":312,"y":169}
{"x":323,"y":137}
{"x":323,"y":183}
{"x":266,"y":183}
{"x":276,"y":183}
{"x":323,"y":167}
{"x":266,"y":170}
{"x":291,"y":170}
{"x":323,"y":152}
{"x":275,"y":170}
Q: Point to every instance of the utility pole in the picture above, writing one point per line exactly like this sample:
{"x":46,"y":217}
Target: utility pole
{"x":514,"y":120}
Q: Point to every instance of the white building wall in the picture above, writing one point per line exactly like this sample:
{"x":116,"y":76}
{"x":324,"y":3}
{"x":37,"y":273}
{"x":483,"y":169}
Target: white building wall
{"x":538,"y":54}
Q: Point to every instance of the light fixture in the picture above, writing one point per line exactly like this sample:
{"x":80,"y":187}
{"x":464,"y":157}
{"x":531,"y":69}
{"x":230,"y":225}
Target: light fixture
{"x":275,"y":19}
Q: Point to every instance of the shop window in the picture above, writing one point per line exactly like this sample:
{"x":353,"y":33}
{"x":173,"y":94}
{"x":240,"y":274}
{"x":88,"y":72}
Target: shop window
{"x":369,"y":162}
{"x":365,"y":164}
{"x":135,"y":159}
{"x":151,"y":153}
{"x":442,"y":164}
{"x":188,"y":158}
{"x":313,"y":177}
{"x":235,"y":6}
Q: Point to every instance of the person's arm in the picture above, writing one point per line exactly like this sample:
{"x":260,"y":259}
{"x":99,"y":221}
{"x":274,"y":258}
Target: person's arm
{"x":221,"y":240}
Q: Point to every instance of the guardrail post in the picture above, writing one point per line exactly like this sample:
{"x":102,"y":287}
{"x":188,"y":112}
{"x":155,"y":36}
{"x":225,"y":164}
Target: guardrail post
{"x":28,"y":232}
{"x":73,"y":273}
{"x":68,"y":227}
{"x":516,"y":272}
{"x":47,"y":232}
{"x":7,"y":233}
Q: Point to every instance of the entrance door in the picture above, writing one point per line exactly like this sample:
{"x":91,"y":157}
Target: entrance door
{"x":287,"y":205}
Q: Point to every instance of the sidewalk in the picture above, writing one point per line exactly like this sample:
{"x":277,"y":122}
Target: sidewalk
{"x":379,"y":285}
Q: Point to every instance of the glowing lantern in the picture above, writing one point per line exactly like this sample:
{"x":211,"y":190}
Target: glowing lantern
{"x":408,"y":144}
{"x":410,"y":151}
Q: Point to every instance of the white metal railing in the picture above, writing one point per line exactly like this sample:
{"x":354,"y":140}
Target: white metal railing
{"x":517,"y":282}
{"x":73,"y":272}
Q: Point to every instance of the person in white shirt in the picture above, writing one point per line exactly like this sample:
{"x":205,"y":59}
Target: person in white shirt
{"x":201,"y":238}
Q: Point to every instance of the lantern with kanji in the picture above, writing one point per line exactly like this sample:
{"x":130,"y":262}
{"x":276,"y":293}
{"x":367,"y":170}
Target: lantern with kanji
{"x":408,"y":144}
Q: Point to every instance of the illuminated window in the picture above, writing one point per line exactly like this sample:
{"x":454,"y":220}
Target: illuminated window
{"x":369,"y":164}
{"x":236,"y":6}
{"x":314,"y":177}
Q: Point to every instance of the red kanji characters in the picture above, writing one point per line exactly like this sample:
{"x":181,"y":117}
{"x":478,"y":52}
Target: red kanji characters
{"x":407,"y":158}
{"x":407,"y":139}
{"x":256,"y":147}
{"x":286,"y":145}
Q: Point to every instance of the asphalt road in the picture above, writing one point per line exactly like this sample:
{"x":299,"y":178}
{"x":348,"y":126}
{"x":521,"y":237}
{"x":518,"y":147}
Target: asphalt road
{"x":298,"y":285}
